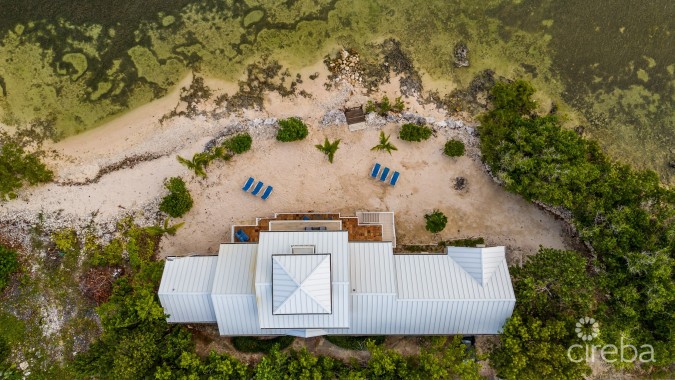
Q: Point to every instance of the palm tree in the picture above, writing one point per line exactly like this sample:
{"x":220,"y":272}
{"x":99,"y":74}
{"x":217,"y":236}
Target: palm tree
{"x":329,"y":148}
{"x":384,"y":144}
{"x":196,"y":164}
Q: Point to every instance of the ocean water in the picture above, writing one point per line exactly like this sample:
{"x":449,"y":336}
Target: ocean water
{"x":608,"y":65}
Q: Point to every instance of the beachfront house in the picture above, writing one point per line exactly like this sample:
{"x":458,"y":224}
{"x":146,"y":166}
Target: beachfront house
{"x":324,"y":274}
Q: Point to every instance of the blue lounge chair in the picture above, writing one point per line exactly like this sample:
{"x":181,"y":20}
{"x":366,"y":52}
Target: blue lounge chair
{"x":241,"y":235}
{"x":267,"y":193}
{"x":376,"y":170}
{"x":394,"y":178}
{"x":305,"y":217}
{"x":248,"y":184}
{"x":384,"y":175}
{"x":257,"y":188}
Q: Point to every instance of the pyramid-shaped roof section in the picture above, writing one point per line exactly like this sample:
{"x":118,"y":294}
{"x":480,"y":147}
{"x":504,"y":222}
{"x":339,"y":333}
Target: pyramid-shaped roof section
{"x":301,"y":284}
{"x":480,"y":263}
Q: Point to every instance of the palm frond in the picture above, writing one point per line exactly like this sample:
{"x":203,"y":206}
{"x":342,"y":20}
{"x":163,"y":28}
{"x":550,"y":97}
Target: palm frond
{"x":384,"y":143}
{"x":329,"y":148}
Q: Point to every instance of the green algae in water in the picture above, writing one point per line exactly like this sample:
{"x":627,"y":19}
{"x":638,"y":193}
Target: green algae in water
{"x":79,"y":63}
{"x":584,"y":54}
{"x":253,"y":17}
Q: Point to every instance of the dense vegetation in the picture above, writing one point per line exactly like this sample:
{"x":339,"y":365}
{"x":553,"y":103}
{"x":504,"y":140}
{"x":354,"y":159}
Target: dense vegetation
{"x":178,"y":201}
{"x":21,"y":162}
{"x":8,"y":265}
{"x":453,"y":148}
{"x":239,"y":143}
{"x":625,"y":215}
{"x":255,"y":344}
{"x":384,"y":144}
{"x":292,"y":129}
{"x":414,"y":132}
{"x":236,"y":144}
{"x":553,"y":290}
{"x":384,"y":106}
{"x":435,"y":221}
{"x":354,"y":342}
{"x":329,"y":148}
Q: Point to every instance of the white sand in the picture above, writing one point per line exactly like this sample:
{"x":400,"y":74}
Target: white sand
{"x":303,"y":179}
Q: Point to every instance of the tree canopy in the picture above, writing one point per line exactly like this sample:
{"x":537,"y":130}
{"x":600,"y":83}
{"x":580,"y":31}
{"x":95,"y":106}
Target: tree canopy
{"x":626,"y":215}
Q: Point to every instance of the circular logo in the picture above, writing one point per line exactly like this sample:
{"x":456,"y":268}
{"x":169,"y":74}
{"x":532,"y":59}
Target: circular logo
{"x":587,"y":328}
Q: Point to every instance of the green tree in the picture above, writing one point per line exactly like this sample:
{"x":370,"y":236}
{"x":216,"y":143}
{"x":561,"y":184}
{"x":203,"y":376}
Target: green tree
{"x":531,"y":349}
{"x":329,"y":148}
{"x":625,"y":214}
{"x":435,"y":221}
{"x":554,"y":284}
{"x":292,"y":129}
{"x":178,"y":201}
{"x":8,"y":265}
{"x":384,"y":144}
{"x":239,"y":143}
{"x":385,"y":364}
{"x":296,"y":365}
{"x":515,"y":96}
{"x":136,"y":340}
{"x":454,"y":148}
{"x":414,"y":132}
{"x":445,"y":358}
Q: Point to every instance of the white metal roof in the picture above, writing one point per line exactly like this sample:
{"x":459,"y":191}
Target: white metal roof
{"x":185,"y":289}
{"x":280,"y":243}
{"x":334,"y":243}
{"x":371,"y":268}
{"x":480,"y":263}
{"x":301,"y":284}
{"x":425,"y":294}
{"x":373,"y":291}
{"x":235,"y":271}
{"x":425,"y":276}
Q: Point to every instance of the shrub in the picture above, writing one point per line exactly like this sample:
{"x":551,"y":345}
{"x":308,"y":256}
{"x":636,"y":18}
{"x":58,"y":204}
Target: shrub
{"x":354,"y":342}
{"x":414,"y":132}
{"x":111,"y":254}
{"x":5,"y":350}
{"x":436,"y":221}
{"x":292,"y":129}
{"x":454,"y":148}
{"x":66,"y":241}
{"x":470,"y":242}
{"x":178,"y":201}
{"x":253,"y":344}
{"x":8,"y":265}
{"x":18,"y":167}
{"x":239,"y":143}
{"x":384,"y":106}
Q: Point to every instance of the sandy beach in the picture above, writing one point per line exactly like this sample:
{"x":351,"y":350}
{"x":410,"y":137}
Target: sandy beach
{"x":302,"y":177}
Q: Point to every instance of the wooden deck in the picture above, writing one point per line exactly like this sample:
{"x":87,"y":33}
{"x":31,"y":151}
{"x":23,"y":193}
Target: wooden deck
{"x":356,"y":232}
{"x":355,"y":115}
